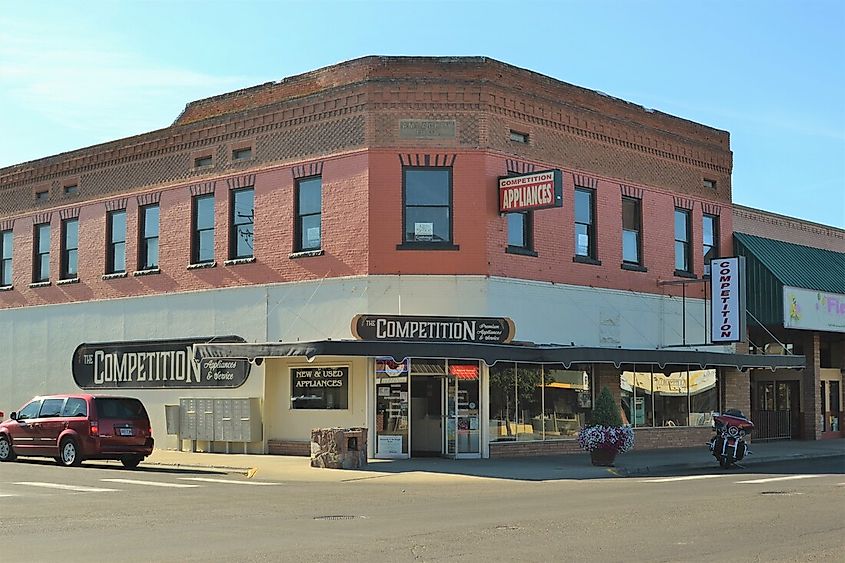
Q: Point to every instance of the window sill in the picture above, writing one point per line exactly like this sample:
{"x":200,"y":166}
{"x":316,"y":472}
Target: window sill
{"x":586,"y":260}
{"x":306,"y":254}
{"x":6,"y":287}
{"x":201,"y":265}
{"x":633,"y":267}
{"x":683,"y":274}
{"x":522,"y":251}
{"x":147,"y":272}
{"x":116,"y":275}
{"x":236,"y":261}
{"x":427,"y":246}
{"x":36,"y":285}
{"x":68,"y":281}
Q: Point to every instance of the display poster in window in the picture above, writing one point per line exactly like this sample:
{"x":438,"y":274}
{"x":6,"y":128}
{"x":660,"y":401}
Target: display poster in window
{"x":423,"y":231}
{"x":489,"y":330}
{"x":320,"y":388}
{"x":389,"y":445}
{"x":313,"y":234}
{"x":156,"y":364}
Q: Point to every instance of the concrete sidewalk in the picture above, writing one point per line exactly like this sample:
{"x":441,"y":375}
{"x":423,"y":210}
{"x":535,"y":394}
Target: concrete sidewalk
{"x":544,"y":468}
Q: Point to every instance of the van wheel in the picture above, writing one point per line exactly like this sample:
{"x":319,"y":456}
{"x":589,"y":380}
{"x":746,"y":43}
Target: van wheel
{"x":131,"y":461}
{"x":70,"y":453}
{"x":6,"y":451}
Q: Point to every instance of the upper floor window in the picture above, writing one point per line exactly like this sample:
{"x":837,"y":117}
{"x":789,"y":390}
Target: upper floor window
{"x":427,"y":197}
{"x":41,"y":253}
{"x":631,"y":230}
{"x":242,"y":153}
{"x":682,"y":240}
{"x":202,"y":161}
{"x":70,"y":248}
{"x":42,"y":196}
{"x":309,"y":202}
{"x":242,"y":221}
{"x":116,"y":242}
{"x":520,"y":235}
{"x":518,"y":137}
{"x":710,"y":184}
{"x":585,"y":228}
{"x":202,"y":243}
{"x":148,"y":226}
{"x":710,"y":236}
{"x":6,"y":258}
{"x":71,"y":189}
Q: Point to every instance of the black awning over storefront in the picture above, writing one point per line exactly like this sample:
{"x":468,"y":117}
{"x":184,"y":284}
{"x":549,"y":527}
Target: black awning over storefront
{"x":492,"y":353}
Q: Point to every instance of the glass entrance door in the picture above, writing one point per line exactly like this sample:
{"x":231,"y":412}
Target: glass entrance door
{"x":463,"y":410}
{"x":392,"y":401}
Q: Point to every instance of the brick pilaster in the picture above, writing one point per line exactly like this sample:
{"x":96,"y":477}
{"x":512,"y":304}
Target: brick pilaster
{"x":810,"y":382}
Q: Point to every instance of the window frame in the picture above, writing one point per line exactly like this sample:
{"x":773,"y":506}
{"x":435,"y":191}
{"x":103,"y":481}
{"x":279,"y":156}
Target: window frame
{"x":66,"y":250}
{"x":527,"y":234}
{"x":298,"y":243}
{"x":144,"y":240}
{"x":37,"y":272}
{"x":6,"y":264}
{"x":714,"y":244}
{"x":686,"y":244}
{"x":238,"y":151}
{"x":592,"y":228}
{"x":234,"y":226}
{"x":196,"y":231}
{"x":429,"y":245}
{"x":111,"y":244}
{"x":638,"y":202}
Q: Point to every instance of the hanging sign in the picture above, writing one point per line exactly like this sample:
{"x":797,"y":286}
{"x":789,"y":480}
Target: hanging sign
{"x":155,"y":364}
{"x":727,"y":299}
{"x":490,"y":330}
{"x":538,"y":190}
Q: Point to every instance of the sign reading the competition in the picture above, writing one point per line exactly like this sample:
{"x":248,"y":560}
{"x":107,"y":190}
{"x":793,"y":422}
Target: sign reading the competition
{"x":813,"y":310}
{"x":155,"y":364}
{"x":537,"y":190}
{"x":489,"y":330}
{"x":727,"y":294}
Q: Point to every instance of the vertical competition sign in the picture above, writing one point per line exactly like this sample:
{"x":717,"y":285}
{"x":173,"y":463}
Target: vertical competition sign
{"x":727,"y":299}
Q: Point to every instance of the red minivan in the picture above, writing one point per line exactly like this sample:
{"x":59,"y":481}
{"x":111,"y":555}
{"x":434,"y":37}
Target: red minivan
{"x":72,"y":428}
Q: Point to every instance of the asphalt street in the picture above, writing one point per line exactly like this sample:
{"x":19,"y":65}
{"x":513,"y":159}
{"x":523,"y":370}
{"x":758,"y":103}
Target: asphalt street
{"x":786,"y":511}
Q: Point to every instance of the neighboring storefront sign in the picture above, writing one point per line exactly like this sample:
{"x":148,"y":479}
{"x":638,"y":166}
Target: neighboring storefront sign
{"x":490,"y":330}
{"x":538,"y":190}
{"x":155,"y":364}
{"x":320,"y":387}
{"x":727,"y":294}
{"x":813,"y":310}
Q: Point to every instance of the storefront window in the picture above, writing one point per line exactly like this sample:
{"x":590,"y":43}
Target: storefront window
{"x":566,"y":400}
{"x":391,"y":408}
{"x":637,"y":403}
{"x":703,"y":397}
{"x":679,"y":398}
{"x":502,"y":402}
{"x":529,"y":399}
{"x":671,"y":405}
{"x":320,"y":388}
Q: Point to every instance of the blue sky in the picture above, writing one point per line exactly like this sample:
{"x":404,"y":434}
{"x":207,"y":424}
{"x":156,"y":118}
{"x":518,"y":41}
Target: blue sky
{"x":772,"y":73}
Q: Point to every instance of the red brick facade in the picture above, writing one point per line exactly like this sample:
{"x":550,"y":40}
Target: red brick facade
{"x":345,"y":120}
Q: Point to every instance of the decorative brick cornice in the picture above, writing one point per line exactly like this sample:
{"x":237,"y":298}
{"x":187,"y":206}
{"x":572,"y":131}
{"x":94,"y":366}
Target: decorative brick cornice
{"x":117,"y":204}
{"x":149,"y":199}
{"x":711,"y":208}
{"x":585,"y":181}
{"x":71,"y":213}
{"x":631,"y":191}
{"x":519,"y":167}
{"x":312,"y":169}
{"x":7,"y":225}
{"x":684,"y":202}
{"x":427,"y":159}
{"x":41,"y":218}
{"x":245,"y":181}
{"x":202,"y":189}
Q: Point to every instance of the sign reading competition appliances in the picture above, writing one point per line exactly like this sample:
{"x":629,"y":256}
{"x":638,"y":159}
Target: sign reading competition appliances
{"x":156,"y":364}
{"x":488,"y":330}
{"x":538,"y":190}
{"x":727,"y":293}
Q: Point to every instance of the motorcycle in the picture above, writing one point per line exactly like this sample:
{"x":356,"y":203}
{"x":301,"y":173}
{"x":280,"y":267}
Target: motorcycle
{"x":728,"y":445}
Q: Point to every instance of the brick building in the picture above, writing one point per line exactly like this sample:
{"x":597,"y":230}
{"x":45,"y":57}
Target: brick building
{"x":367,"y":193}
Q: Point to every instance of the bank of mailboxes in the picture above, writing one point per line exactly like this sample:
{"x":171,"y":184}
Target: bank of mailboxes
{"x":220,"y":420}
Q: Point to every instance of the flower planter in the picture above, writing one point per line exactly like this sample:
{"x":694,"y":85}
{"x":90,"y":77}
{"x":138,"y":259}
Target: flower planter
{"x":603,"y":457}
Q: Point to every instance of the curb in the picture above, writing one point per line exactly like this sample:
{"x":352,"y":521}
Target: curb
{"x":248,"y":471}
{"x":701,"y":465}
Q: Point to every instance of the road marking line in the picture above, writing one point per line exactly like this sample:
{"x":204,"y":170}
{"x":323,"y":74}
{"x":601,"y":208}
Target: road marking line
{"x":150,"y":483}
{"x":8,"y":495}
{"x":684,"y":478}
{"x":789,"y":478}
{"x":230,"y":481}
{"x":76,"y":488}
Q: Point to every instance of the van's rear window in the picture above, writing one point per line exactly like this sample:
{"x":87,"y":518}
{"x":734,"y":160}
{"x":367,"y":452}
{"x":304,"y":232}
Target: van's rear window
{"x":120,"y":408}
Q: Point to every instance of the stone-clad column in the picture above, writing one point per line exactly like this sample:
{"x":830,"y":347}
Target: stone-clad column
{"x":810,"y":382}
